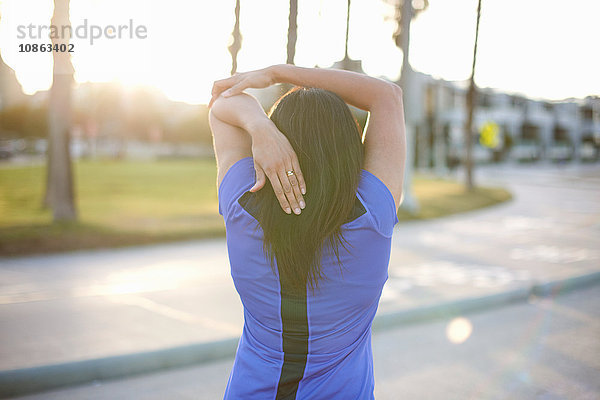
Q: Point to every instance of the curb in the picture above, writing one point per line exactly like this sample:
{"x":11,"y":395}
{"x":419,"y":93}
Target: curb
{"x":23,"y":381}
{"x":38,"y":379}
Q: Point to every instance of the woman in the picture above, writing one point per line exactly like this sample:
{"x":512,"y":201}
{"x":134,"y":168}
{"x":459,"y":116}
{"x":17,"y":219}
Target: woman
{"x":309,"y":253}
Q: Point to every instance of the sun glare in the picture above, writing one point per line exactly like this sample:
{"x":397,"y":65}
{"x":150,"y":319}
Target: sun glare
{"x":186,"y":45}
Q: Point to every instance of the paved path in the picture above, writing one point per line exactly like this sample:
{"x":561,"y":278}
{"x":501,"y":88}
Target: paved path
{"x":524,"y":351}
{"x":89,"y":304}
{"x":550,"y":231}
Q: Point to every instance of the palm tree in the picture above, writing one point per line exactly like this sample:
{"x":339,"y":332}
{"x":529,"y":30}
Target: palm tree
{"x":346,"y":57}
{"x":471,"y":96}
{"x":59,"y":183}
{"x":236,"y":45}
{"x":347,"y":63}
{"x":292,"y":31}
{"x":405,"y":12}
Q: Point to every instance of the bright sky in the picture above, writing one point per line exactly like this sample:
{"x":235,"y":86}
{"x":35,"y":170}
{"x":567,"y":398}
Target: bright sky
{"x":541,"y":48}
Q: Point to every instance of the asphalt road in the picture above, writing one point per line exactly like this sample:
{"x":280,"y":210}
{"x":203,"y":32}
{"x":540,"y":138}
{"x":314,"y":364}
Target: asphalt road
{"x":547,"y":348}
{"x":85,"y":305}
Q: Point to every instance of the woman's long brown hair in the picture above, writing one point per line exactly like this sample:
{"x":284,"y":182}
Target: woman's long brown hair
{"x":327,"y":141}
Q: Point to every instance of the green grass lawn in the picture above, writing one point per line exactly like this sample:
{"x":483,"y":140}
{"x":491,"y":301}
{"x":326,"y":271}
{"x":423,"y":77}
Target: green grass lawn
{"x":124,"y":203}
{"x":439,"y":198}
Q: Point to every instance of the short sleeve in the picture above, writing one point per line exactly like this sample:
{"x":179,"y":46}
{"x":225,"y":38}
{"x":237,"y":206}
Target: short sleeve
{"x":379,"y":201}
{"x":238,"y":180}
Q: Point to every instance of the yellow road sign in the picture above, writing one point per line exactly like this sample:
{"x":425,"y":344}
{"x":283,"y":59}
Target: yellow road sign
{"x":490,"y":135}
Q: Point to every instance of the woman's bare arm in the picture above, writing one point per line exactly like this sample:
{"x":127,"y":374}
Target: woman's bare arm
{"x":240,"y":129}
{"x":384,"y":137}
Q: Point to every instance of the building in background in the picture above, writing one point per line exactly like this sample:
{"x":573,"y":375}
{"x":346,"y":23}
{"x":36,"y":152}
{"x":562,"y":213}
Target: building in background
{"x":508,"y":126}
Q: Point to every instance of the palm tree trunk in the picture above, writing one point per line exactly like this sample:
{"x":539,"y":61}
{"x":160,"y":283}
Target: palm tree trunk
{"x":235,"y":47}
{"x":59,"y":185}
{"x":409,"y":201}
{"x":292,"y":31}
{"x":346,"y":57}
{"x":471,"y":98}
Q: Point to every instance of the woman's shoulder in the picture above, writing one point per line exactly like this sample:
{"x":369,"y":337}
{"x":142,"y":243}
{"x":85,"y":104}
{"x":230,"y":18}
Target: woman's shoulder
{"x":379,"y":202}
{"x":238,"y":179}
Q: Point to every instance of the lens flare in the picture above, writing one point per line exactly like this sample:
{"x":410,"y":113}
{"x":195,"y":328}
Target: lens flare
{"x":459,"y":330}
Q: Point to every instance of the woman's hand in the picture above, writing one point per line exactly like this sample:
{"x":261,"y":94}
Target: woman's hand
{"x":275,"y":158}
{"x":259,"y":79}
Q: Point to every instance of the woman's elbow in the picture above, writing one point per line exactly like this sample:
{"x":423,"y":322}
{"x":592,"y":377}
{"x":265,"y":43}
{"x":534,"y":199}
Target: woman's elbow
{"x":395,"y":93}
{"x":389,"y":97}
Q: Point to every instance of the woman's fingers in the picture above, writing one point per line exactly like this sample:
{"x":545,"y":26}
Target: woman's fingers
{"x":237,"y":83}
{"x":296,"y":191}
{"x":287,"y":189}
{"x":223,"y":85}
{"x":298,"y":174}
{"x":278,"y":189}
{"x":235,"y":89}
{"x":226,"y":88}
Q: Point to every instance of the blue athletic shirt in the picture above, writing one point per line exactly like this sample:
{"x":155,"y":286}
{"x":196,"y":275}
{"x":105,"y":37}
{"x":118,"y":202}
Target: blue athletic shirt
{"x":327,"y":334}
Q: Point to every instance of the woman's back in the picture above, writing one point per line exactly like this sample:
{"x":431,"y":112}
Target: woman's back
{"x":310,"y":281}
{"x":316,"y":344}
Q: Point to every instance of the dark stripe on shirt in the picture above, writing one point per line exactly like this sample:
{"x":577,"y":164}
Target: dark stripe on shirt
{"x":294,"y":321}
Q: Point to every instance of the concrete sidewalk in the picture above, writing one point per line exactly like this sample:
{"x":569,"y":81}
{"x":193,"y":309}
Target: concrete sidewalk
{"x":521,"y":351}
{"x":77,"y":317}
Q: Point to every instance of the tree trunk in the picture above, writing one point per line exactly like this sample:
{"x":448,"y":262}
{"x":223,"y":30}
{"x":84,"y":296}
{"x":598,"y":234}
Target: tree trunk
{"x":346,"y":57}
{"x":409,"y":201}
{"x":292,"y":31}
{"x":471,"y":98}
{"x":469,"y":184}
{"x":236,"y":45}
{"x":59,"y":186}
